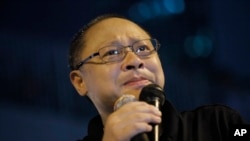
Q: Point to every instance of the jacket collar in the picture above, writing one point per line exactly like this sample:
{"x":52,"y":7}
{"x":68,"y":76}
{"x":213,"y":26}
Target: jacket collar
{"x":170,"y":122}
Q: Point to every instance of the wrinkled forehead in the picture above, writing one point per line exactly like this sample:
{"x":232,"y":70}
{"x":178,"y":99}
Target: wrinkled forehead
{"x":115,"y":25}
{"x":114,"y":30}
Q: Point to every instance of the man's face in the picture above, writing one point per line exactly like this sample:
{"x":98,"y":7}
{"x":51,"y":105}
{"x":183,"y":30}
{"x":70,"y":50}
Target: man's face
{"x":105,"y":82}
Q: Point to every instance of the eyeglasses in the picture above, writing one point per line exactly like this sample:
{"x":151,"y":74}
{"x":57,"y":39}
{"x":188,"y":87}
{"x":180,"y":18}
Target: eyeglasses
{"x":113,"y":53}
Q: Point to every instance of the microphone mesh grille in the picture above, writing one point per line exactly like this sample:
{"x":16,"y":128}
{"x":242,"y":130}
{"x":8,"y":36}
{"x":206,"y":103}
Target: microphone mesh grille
{"x":123,"y":100}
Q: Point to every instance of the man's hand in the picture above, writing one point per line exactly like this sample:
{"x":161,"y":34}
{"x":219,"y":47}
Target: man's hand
{"x":129,"y":120}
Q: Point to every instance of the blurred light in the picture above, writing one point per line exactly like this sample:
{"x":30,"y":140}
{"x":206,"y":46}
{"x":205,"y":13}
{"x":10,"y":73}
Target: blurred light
{"x":146,"y":9}
{"x":134,"y":13}
{"x":198,"y":46}
{"x":156,"y":8}
{"x":174,"y":6}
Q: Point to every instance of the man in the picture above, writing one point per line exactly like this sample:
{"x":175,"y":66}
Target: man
{"x":113,"y":56}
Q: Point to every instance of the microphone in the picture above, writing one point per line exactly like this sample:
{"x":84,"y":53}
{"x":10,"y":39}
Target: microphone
{"x":154,"y":95}
{"x":124,"y":99}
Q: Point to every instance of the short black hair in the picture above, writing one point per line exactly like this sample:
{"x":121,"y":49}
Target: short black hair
{"x":78,"y":41}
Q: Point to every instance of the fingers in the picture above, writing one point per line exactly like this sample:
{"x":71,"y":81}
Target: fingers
{"x":138,"y":107}
{"x":140,"y":112}
{"x":137,"y":128}
{"x":142,"y":117}
{"x":131,"y":119}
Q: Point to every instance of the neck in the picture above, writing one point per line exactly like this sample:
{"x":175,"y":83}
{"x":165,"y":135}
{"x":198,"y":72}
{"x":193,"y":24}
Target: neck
{"x":104,"y":117}
{"x":104,"y":113}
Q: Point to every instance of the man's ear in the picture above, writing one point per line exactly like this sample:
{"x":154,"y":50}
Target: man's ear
{"x":78,"y":82}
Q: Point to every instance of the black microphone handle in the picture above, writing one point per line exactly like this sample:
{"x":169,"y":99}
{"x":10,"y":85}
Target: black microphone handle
{"x":154,"y":134}
{"x":153,"y":94}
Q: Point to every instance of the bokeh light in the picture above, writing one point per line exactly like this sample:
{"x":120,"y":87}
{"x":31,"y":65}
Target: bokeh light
{"x":146,"y":10}
{"x":174,"y":6}
{"x":198,"y":46}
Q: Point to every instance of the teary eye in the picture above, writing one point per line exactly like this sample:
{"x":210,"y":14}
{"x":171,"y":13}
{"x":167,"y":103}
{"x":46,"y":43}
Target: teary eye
{"x":112,"y":52}
{"x":142,"y":48}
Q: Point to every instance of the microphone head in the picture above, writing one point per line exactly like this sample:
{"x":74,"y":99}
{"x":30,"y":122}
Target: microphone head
{"x":152,"y":91}
{"x":124,"y":99}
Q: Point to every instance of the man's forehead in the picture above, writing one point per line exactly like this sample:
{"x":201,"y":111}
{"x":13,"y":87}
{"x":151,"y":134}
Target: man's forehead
{"x":115,"y":24}
{"x":115,"y":20}
{"x":113,"y":30}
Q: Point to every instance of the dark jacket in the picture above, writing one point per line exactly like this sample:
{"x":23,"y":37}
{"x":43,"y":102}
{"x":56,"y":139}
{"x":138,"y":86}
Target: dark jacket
{"x":206,"y":123}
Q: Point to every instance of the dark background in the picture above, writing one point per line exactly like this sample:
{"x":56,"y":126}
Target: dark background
{"x":205,"y":55}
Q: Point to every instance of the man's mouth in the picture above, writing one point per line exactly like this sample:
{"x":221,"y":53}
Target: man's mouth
{"x":137,"y":82}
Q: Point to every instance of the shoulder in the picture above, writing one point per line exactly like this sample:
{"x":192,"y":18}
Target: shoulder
{"x":209,"y":122}
{"x":95,"y":130}
{"x":213,"y":108}
{"x":214,"y":111}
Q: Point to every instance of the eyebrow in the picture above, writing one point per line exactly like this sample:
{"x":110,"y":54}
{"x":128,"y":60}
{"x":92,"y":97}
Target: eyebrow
{"x":117,"y":42}
{"x":113,"y":43}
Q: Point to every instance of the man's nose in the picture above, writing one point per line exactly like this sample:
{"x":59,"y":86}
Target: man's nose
{"x":132,"y":61}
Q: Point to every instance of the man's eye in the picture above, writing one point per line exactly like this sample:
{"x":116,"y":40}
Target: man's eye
{"x":142,"y":48}
{"x":112,"y":52}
